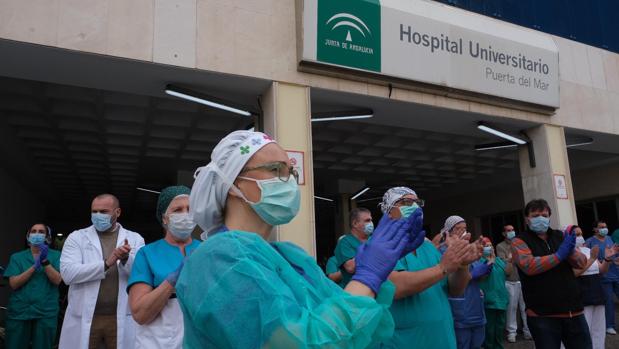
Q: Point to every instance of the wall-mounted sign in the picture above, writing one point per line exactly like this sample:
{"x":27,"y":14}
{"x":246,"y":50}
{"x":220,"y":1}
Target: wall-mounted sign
{"x":560,"y":186}
{"x":433,"y":43}
{"x":296,"y":160}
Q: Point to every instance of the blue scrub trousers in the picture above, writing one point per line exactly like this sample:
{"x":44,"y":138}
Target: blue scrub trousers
{"x":470,"y":338}
{"x":610,"y":290}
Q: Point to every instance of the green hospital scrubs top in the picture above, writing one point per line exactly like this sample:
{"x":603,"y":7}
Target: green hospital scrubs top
{"x":37,"y":298}
{"x":345,"y":250}
{"x":423,"y":320}
{"x":495,"y":292}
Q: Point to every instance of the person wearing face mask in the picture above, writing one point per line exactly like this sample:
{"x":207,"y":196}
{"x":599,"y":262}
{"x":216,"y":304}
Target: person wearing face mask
{"x":496,"y":297}
{"x":610,"y":280}
{"x":545,"y":258}
{"x":238,"y":290}
{"x":32,"y":312}
{"x":590,"y":280}
{"x":512,"y":283}
{"x":96,"y":262}
{"x":468,"y":307}
{"x":424,"y":280}
{"x":361,"y":228}
{"x":156,"y":268}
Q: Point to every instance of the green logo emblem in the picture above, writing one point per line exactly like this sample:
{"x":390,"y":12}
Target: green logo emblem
{"x":349,"y":33}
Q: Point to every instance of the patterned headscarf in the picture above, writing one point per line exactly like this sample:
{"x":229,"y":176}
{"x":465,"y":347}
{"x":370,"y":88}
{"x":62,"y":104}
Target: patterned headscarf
{"x":451,"y":222}
{"x":166,"y":196}
{"x":392,"y":196}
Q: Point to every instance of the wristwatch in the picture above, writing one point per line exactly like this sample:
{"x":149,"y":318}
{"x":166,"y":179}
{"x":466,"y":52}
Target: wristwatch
{"x":45,"y":263}
{"x":607,"y":260}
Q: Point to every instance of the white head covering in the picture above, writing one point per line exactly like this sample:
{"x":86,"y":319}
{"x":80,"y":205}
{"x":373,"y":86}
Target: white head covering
{"x":451,"y":222}
{"x":213,"y":181}
{"x":392,"y":196}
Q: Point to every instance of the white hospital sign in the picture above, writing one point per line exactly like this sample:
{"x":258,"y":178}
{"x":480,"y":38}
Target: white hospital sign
{"x":435,"y":44}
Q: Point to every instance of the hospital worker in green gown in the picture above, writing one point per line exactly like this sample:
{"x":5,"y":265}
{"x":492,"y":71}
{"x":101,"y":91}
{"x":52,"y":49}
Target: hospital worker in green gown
{"x":424,"y":280}
{"x":238,"y":290}
{"x":32,"y":313}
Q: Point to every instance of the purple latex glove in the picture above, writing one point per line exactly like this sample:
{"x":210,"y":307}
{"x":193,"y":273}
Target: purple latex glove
{"x":481,"y":269}
{"x":173,"y":276}
{"x":43,"y":250}
{"x":567,"y":246}
{"x":416,"y":235}
{"x":377,"y":257}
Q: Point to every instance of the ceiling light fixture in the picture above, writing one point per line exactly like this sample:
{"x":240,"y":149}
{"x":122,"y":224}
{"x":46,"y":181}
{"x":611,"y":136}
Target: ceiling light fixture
{"x":203,"y":99}
{"x":498,"y":133}
{"x":578,"y":144}
{"x":343,"y":115}
{"x":499,"y":145}
{"x":148,"y":190}
{"x":323,"y":199}
{"x":360,"y":193}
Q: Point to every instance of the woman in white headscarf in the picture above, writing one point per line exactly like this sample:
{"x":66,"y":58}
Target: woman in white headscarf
{"x":237,"y":290}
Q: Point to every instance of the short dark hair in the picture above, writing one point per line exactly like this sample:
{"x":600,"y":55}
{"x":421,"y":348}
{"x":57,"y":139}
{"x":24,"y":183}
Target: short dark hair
{"x":108,"y":195}
{"x":355,"y":213}
{"x":595,"y":223}
{"x":537,"y":205}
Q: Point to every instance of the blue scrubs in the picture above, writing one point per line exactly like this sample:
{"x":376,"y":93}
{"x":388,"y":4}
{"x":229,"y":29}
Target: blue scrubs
{"x":155,"y":261}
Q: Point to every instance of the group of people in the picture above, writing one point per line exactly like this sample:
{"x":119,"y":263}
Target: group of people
{"x":388,"y":285}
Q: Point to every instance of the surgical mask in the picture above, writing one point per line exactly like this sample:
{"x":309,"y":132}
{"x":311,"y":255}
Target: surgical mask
{"x":101,"y":221}
{"x":580,"y":241}
{"x":603,"y":231}
{"x":180,"y":225}
{"x":406,"y":211}
{"x":36,"y":239}
{"x":539,"y":224}
{"x":368,"y":228}
{"x":510,"y":235}
{"x":487,"y":251}
{"x":279,"y":202}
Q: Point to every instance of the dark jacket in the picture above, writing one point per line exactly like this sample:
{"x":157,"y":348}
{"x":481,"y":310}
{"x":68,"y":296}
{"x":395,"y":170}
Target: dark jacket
{"x":554,"y":291}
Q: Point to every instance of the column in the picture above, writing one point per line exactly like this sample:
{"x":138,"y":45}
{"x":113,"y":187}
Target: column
{"x":550,"y":179}
{"x":286,"y":117}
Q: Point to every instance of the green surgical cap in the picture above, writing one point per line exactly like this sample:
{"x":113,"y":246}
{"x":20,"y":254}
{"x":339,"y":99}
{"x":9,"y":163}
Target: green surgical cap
{"x":166,"y":196}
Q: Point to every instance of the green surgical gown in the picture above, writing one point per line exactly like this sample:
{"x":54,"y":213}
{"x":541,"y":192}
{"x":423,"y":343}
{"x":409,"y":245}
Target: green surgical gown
{"x":38,"y":297}
{"x":345,"y":250}
{"x":331,"y":266}
{"x":423,"y":320}
{"x":239,"y":291}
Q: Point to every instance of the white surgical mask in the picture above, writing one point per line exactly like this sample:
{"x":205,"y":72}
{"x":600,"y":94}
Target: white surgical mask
{"x":180,"y":225}
{"x":580,"y":241}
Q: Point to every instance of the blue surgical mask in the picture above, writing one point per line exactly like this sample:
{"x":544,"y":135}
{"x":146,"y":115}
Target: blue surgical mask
{"x":279,"y":202}
{"x":539,"y":224}
{"x":101,"y":221}
{"x":368,"y":228}
{"x":510,"y":235}
{"x":487,"y":251}
{"x":180,"y":225}
{"x":406,"y":211}
{"x":36,"y":239}
{"x":603,"y":231}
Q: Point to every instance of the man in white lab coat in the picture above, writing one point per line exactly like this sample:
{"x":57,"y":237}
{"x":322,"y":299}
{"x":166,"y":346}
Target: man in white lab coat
{"x":96,"y":263}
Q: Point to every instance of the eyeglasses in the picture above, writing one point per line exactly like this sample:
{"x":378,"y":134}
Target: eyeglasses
{"x":410,"y":202}
{"x":280,"y":169}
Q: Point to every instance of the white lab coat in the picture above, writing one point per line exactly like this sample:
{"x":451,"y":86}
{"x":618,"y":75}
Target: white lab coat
{"x":166,"y":331}
{"x":82,"y":268}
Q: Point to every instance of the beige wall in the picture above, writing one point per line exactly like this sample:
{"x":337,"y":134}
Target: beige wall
{"x":258,"y":38}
